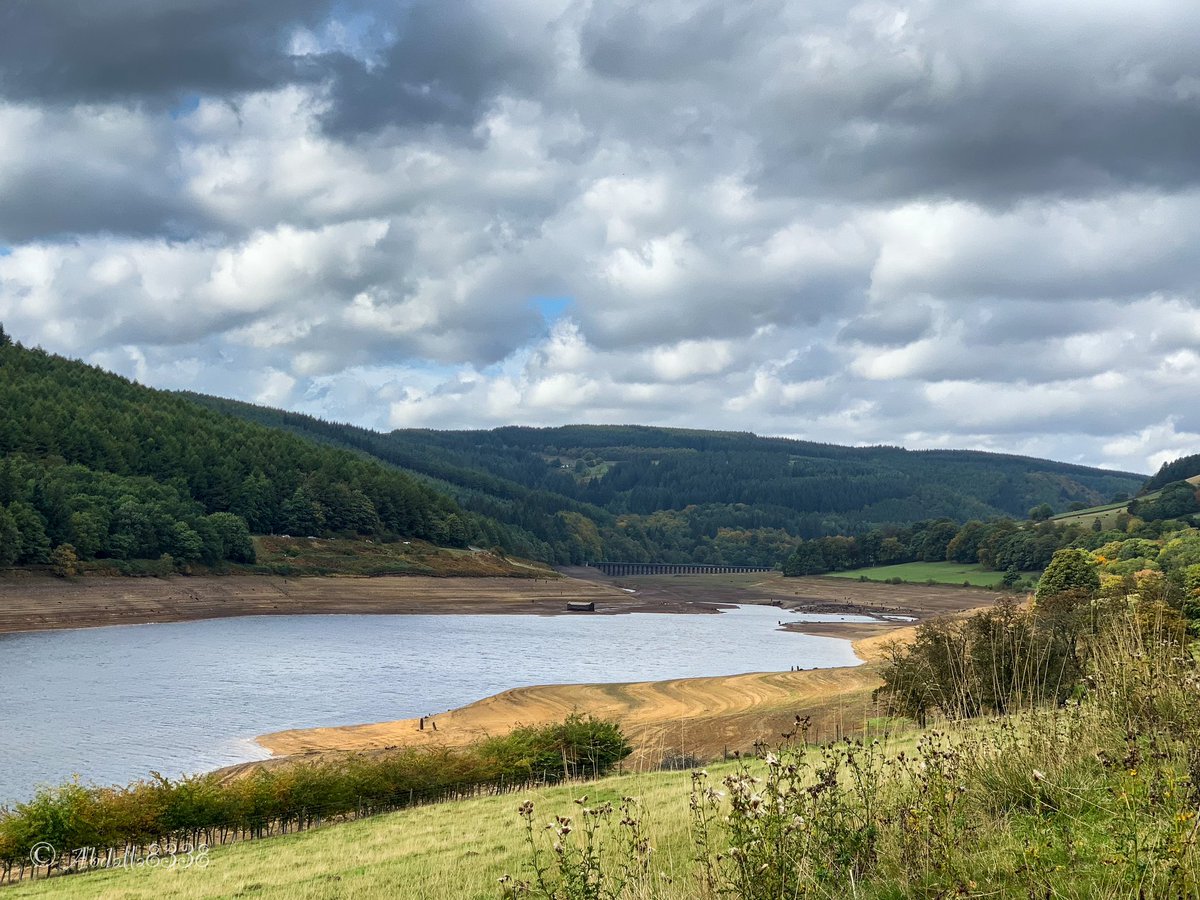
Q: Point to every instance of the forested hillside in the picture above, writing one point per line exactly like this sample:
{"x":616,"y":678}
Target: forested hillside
{"x":115,"y":470}
{"x":644,"y":493}
{"x":109,"y":469}
{"x":1177,"y":470}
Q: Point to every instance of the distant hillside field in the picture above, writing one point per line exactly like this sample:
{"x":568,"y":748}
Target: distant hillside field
{"x":936,"y":572}
{"x":1153,"y":491}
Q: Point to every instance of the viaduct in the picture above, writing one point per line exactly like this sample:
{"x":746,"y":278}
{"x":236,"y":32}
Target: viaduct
{"x":636,"y":568}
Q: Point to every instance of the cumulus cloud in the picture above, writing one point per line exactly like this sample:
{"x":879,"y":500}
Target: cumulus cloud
{"x":924,"y":222}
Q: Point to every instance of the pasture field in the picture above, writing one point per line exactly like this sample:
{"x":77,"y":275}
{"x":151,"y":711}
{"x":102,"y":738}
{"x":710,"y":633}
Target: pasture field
{"x":937,"y":572}
{"x":1107,"y":514}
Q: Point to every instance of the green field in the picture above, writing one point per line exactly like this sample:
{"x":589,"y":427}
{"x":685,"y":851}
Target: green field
{"x":937,"y":572}
{"x":1107,"y":514}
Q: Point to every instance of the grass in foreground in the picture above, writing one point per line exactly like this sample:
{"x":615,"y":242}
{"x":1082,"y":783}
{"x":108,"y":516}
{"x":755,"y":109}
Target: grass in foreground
{"x":1045,"y":804}
{"x":936,"y":572}
{"x":455,"y":850}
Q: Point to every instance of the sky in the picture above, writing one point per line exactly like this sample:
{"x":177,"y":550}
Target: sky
{"x":935,"y":223}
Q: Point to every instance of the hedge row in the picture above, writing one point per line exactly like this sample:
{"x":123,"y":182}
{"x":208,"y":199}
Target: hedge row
{"x":94,"y":824}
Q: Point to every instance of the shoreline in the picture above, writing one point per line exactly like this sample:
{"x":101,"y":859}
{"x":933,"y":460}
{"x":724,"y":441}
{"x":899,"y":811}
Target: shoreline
{"x":37,"y":603}
{"x":702,"y":717}
{"x":43,"y":603}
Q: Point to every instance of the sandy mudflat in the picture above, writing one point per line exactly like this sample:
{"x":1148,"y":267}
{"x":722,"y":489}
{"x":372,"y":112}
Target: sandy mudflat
{"x":702,"y":717}
{"x":38,"y":603}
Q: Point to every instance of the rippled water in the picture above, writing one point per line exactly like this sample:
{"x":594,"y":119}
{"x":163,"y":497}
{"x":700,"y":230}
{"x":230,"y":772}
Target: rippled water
{"x":112,"y":704}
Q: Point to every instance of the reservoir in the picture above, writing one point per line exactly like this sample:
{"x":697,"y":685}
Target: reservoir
{"x":113,"y":704}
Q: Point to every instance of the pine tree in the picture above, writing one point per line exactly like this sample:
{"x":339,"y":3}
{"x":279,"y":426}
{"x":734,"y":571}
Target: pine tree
{"x":10,"y":538}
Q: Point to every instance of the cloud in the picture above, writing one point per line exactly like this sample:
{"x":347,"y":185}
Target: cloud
{"x":917,"y":221}
{"x":88,"y":169}
{"x":981,"y":101}
{"x":75,"y":51}
{"x":448,"y":63}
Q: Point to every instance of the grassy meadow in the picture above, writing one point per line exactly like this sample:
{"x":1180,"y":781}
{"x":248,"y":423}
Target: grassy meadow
{"x":442,"y":852}
{"x":935,"y":572}
{"x":1107,"y":514}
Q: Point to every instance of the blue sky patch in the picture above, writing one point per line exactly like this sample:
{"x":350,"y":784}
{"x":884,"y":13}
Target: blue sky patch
{"x":552,"y":308}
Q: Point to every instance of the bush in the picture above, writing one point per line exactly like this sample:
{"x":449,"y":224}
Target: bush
{"x":991,"y":660}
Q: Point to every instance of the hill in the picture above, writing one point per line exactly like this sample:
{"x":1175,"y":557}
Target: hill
{"x":113,"y":470}
{"x":1158,"y":500}
{"x":118,"y":471}
{"x":642,"y":493}
{"x":1186,"y":468}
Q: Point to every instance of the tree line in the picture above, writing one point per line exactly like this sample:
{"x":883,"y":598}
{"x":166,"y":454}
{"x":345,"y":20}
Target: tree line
{"x":568,"y":495}
{"x":1004,"y":544}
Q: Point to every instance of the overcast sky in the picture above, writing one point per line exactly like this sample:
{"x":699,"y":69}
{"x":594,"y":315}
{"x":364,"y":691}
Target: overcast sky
{"x":936,"y":223}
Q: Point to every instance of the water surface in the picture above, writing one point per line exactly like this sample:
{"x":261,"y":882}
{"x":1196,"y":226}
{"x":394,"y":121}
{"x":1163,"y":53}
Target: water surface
{"x":112,"y":704}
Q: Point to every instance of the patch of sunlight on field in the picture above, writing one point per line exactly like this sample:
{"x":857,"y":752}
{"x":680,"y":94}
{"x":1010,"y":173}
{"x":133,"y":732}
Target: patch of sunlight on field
{"x":937,"y":572}
{"x":450,"y":851}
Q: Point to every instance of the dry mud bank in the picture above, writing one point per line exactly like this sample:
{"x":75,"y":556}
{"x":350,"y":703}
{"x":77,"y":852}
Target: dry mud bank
{"x":40,"y":603}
